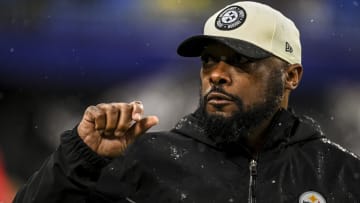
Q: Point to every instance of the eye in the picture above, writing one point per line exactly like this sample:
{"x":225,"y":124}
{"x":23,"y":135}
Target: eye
{"x":208,"y":60}
{"x":238,"y":60}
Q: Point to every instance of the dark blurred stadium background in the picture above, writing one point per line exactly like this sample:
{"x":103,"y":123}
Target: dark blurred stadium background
{"x":57,"y":57}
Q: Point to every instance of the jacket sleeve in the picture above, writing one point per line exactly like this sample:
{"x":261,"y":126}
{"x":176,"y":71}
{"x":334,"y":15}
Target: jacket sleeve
{"x":68,"y":175}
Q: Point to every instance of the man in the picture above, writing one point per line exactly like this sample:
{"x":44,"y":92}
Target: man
{"x":240,"y":145}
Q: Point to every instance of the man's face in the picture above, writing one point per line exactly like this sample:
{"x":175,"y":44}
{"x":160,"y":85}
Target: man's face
{"x":227,"y":76}
{"x":237,"y":94}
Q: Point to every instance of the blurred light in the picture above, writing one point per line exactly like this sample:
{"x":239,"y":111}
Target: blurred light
{"x":179,"y":7}
{"x":343,"y":101}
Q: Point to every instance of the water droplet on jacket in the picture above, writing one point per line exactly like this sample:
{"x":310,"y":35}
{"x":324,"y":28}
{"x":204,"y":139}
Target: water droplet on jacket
{"x":202,"y":166}
{"x":355,"y":3}
{"x":183,"y":196}
{"x":332,"y":118}
{"x":12,"y":50}
{"x":312,"y":20}
{"x":130,"y":200}
{"x":152,"y":140}
{"x":174,"y":153}
{"x":279,"y":124}
{"x":231,"y":200}
{"x":273,"y":181}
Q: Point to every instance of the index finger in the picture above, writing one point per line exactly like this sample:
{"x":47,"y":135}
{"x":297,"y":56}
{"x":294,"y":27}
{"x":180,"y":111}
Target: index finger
{"x":138,"y":110}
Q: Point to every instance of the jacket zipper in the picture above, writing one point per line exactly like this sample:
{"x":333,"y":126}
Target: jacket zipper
{"x":252,"y":182}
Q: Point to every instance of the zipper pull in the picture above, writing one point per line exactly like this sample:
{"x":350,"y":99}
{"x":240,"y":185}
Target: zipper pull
{"x":253,"y":170}
{"x":252,"y":182}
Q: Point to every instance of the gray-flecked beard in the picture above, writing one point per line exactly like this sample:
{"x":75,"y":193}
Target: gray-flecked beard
{"x":234,"y":129}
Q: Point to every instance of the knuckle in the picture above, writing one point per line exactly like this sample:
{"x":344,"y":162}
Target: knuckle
{"x":112,"y":109}
{"x":101,"y":105}
{"x":126,"y":107}
{"x":93,"y":111}
{"x":90,"y":108}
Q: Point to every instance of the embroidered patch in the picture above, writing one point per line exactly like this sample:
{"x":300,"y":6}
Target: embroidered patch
{"x":311,"y":197}
{"x":230,"y":18}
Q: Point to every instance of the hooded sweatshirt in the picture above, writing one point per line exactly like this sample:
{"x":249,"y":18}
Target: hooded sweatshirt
{"x":296,"y":164}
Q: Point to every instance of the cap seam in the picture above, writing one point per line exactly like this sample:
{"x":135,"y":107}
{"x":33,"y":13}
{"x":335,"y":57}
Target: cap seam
{"x":273,"y":34}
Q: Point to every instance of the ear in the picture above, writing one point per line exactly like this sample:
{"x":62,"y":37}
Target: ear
{"x":293,"y":75}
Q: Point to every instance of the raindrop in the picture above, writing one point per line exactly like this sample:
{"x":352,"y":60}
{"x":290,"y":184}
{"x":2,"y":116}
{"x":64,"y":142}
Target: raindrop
{"x":147,"y":44}
{"x":130,"y":200}
{"x":355,"y":3}
{"x":12,"y":50}
{"x":111,"y":168}
{"x":181,"y":123}
{"x":349,"y":49}
{"x":312,"y":20}
{"x":202,"y":166}
{"x":183,"y":196}
{"x":231,"y":200}
{"x":280,"y":124}
{"x":152,"y":140}
{"x":174,"y":153}
{"x":36,"y":127}
{"x":332,"y":118}
{"x":273,"y":181}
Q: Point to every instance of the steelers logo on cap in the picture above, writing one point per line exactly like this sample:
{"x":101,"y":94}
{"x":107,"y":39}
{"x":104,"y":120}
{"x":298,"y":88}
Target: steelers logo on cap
{"x":230,"y":18}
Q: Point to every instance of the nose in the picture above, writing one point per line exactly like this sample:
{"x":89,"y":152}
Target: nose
{"x":220,"y":74}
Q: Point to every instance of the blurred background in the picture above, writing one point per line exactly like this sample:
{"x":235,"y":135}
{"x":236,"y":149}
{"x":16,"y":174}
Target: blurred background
{"x":58,"y":57}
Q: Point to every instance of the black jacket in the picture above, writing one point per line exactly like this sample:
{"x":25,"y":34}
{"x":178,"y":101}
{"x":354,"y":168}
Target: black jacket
{"x":183,"y":165}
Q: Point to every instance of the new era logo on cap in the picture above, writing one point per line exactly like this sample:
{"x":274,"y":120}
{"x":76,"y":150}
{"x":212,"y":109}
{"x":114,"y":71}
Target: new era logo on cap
{"x":288,"y":48}
{"x":250,"y":28}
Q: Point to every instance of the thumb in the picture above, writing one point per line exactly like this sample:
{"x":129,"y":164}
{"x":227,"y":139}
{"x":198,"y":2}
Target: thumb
{"x":142,"y":126}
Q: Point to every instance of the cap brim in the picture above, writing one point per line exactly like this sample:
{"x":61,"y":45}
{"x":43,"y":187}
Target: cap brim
{"x":194,"y":46}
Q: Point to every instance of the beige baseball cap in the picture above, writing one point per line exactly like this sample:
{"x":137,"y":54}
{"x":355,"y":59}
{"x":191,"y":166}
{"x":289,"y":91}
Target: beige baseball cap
{"x":252,"y":29}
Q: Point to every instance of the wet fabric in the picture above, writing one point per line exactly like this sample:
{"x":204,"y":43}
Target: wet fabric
{"x":184,"y":165}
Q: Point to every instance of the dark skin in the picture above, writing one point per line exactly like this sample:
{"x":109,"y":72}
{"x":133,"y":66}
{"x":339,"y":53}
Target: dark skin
{"x":108,"y":129}
{"x":246,"y":79}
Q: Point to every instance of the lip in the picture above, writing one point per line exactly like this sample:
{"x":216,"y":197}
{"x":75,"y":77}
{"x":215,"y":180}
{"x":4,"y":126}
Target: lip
{"x":218,"y":99}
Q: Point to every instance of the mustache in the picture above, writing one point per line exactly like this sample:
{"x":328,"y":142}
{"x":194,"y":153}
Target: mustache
{"x":218,"y":89}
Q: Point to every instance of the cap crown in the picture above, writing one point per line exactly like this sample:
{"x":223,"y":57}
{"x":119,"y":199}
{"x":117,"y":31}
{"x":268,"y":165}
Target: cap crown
{"x":259,"y":25}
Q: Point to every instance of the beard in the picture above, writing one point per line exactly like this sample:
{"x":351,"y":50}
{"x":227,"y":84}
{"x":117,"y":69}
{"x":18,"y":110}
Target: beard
{"x":225,"y":131}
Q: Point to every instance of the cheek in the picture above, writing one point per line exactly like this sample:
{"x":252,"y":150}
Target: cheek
{"x":250,"y":90}
{"x":205,"y":85}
